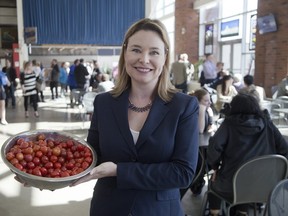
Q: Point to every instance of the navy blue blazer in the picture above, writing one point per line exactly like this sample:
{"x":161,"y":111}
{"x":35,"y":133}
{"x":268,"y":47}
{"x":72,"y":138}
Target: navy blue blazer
{"x":150,"y":173}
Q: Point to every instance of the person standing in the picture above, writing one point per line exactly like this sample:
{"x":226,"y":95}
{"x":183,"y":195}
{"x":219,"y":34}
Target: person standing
{"x":40,"y":79}
{"x":4,"y":81}
{"x":71,"y":82}
{"x":209,"y":69}
{"x":54,"y":78}
{"x":153,"y":149}
{"x":63,"y":79}
{"x":95,"y":77}
{"x":220,"y":74}
{"x":28,"y":84}
{"x":81,"y":76}
{"x":179,"y":75}
{"x":10,"y":90}
{"x":189,"y":66}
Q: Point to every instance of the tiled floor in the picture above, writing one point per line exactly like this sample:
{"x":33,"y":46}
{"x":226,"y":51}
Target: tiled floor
{"x":16,"y":200}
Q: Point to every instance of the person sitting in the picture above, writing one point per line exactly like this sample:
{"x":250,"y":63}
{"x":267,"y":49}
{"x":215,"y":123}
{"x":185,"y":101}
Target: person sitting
{"x":246,"y":133}
{"x":250,"y":88}
{"x":238,"y":82}
{"x":282,"y":89}
{"x":105,"y":85}
{"x":225,"y":92}
{"x":205,"y":120}
{"x":205,"y":123}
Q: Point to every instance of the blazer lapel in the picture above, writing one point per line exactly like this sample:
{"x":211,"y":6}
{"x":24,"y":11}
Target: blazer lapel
{"x":120,"y":112}
{"x":158,"y":111}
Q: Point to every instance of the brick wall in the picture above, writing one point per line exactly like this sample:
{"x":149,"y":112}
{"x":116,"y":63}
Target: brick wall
{"x":186,"y":29}
{"x":271,"y":53}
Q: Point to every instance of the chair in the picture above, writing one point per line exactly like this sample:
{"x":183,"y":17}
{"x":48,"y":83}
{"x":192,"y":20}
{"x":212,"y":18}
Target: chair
{"x":199,"y":172}
{"x":78,"y":96}
{"x":274,"y":91}
{"x":87,"y":101}
{"x":254,"y":181}
{"x":277,"y":205}
{"x":261,"y":92}
{"x":202,"y":167}
{"x":270,"y":106}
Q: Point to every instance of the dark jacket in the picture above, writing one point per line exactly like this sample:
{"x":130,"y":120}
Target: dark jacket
{"x":55,"y":73}
{"x":150,"y":172}
{"x":71,"y":78}
{"x":238,"y":139}
{"x":11,"y":74}
{"x":80,"y":74}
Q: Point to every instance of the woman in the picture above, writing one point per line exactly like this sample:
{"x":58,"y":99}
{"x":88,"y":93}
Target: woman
{"x":205,"y":123}
{"x":54,"y":78}
{"x":40,"y":81}
{"x":205,"y":120}
{"x":225,"y":92}
{"x":246,"y":133}
{"x":28,"y":83}
{"x":147,"y":146}
{"x":63,"y":78}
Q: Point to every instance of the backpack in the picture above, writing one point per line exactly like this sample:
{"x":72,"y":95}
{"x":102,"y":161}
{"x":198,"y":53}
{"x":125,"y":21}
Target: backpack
{"x":3,"y":79}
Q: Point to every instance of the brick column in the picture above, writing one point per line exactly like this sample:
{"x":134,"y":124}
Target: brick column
{"x":186,"y":29}
{"x":271,"y":53}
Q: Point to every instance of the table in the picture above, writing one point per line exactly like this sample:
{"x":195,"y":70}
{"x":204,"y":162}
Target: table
{"x":284,"y":111}
{"x":204,"y":139}
{"x":281,"y":110}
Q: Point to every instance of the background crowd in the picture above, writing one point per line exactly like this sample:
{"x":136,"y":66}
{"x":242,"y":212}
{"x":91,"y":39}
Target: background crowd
{"x":220,"y":95}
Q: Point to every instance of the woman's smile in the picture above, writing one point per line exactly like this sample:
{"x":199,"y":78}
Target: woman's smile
{"x":143,"y":70}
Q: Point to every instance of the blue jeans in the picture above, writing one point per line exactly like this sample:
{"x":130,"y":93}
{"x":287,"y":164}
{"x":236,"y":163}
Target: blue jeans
{"x":10,"y":93}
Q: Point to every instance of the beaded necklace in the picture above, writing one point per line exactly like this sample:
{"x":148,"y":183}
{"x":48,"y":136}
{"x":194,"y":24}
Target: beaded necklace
{"x":139,"y":109}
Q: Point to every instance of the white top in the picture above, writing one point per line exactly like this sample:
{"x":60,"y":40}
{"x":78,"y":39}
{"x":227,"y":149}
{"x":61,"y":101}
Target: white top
{"x":105,"y":86}
{"x":135,"y":135}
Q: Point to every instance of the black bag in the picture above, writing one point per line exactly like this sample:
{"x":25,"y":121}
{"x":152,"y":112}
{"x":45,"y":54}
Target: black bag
{"x":39,"y":83}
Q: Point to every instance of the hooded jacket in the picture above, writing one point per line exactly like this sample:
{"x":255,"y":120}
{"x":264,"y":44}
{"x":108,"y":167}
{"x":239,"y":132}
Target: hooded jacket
{"x":239,"y":139}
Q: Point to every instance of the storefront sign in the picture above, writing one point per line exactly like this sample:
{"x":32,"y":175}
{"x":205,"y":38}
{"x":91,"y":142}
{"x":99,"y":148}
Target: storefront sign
{"x":208,"y":47}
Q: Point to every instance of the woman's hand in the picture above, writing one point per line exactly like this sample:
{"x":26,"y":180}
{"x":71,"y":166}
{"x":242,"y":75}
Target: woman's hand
{"x":106,"y":169}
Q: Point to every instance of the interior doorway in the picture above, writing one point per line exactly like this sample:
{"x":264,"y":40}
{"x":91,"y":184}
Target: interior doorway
{"x":231,"y":56}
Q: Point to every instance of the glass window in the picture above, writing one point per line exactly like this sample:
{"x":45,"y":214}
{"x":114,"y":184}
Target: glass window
{"x":230,"y":8}
{"x":226,"y":52}
{"x":169,"y":9}
{"x":169,"y":2}
{"x":252,"y":5}
{"x":165,"y":12}
{"x":169,"y":24}
{"x":164,"y":8}
{"x":237,"y":58}
{"x":159,"y":5}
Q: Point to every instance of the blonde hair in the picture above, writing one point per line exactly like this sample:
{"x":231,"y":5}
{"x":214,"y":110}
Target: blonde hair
{"x":165,"y":89}
{"x":26,"y":64}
